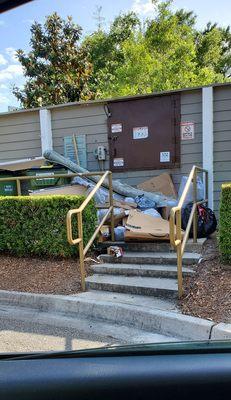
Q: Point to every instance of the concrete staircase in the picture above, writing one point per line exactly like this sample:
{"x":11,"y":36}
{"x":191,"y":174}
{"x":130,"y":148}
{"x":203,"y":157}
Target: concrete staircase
{"x":147,"y":269}
{"x":131,"y":300}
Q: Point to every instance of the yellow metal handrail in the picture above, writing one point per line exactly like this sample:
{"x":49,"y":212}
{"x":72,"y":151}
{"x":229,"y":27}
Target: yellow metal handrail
{"x":78,"y":211}
{"x":175,"y":221}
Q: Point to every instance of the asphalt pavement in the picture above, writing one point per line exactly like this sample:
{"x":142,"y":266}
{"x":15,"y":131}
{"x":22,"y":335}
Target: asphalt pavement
{"x":23,"y":335}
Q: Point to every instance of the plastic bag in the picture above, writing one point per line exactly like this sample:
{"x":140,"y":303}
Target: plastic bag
{"x":189,"y":197}
{"x":129,"y":200}
{"x":119,"y":233}
{"x":152,"y":212}
{"x":206,"y":220}
{"x":102,"y":194}
{"x":101,"y":213}
{"x":143,"y":202}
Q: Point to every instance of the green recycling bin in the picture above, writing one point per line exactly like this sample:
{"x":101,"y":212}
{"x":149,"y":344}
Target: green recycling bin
{"x":7,"y":188}
{"x":43,"y":180}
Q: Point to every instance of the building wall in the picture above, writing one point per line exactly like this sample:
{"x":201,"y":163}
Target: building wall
{"x":90,"y":120}
{"x":19,"y":136}
{"x":222,"y":139}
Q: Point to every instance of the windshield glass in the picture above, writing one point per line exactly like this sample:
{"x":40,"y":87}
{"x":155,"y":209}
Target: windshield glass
{"x":115,"y":174}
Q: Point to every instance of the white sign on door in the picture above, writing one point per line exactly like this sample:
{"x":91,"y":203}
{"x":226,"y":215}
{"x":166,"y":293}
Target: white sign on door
{"x":116,"y":128}
{"x":140,"y":132}
{"x":187,"y":130}
{"x":118,"y":162}
{"x":165,"y":156}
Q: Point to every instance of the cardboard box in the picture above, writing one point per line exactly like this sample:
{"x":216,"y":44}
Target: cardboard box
{"x":130,"y":236}
{"x":161,"y":183}
{"x":68,"y":189}
{"x":146,"y":227}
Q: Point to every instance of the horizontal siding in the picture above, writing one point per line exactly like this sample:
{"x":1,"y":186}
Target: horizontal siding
{"x":19,"y":136}
{"x":222,"y":140}
{"x":90,"y":120}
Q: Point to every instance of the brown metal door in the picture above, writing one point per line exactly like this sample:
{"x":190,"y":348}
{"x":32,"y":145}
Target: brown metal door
{"x":144,"y":133}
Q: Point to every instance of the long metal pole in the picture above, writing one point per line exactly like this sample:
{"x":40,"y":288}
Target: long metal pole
{"x":81,"y":255}
{"x":111,"y":205}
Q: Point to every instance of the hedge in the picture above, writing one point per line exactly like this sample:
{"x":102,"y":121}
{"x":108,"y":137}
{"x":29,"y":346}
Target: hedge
{"x":225,"y":223}
{"x":37,"y":225}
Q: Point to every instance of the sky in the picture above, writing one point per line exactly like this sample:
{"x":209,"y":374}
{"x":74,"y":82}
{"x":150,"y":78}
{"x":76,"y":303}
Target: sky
{"x":15,"y":27}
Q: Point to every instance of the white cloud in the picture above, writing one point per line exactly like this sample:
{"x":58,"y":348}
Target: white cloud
{"x":28,"y":21}
{"x":11,"y":72}
{"x":11,"y":52}
{"x":3,"y":61}
{"x":143,"y":7}
{"x":3,"y":86}
{"x":3,"y":99}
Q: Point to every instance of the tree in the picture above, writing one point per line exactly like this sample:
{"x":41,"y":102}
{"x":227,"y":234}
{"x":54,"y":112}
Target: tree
{"x":57,"y":68}
{"x":169,"y":53}
{"x":214,"y":48}
{"x":105,"y":50}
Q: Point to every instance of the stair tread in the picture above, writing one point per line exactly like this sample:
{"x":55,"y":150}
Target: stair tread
{"x":134,"y":281}
{"x":158,"y":255}
{"x":154,"y":267}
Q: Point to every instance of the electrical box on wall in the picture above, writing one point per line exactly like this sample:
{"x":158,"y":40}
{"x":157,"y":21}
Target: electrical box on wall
{"x":144,"y":133}
{"x":100,"y":153}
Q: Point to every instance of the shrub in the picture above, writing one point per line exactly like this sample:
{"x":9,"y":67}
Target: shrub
{"x":37,"y":225}
{"x":225,"y":223}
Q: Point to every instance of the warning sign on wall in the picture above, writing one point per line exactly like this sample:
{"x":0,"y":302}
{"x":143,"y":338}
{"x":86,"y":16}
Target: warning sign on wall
{"x":140,"y":132}
{"x":187,"y":130}
{"x":118,"y":162}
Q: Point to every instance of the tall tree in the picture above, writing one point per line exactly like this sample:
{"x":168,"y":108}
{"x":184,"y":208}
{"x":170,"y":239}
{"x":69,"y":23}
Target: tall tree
{"x":105,"y":50}
{"x":169,"y":53}
{"x":57,"y":68}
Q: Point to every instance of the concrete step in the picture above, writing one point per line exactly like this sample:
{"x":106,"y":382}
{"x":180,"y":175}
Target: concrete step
{"x":161,"y":287}
{"x":151,"y":258}
{"x":153,"y":246}
{"x":157,"y":271}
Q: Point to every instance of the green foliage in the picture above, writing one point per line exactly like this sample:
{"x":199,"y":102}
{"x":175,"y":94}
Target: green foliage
{"x":37,"y":225}
{"x":163,"y":52}
{"x":164,"y":56}
{"x":225,"y":223}
{"x":105,"y":51}
{"x":57,"y":67}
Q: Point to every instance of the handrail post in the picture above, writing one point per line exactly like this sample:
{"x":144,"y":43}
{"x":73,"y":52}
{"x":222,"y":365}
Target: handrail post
{"x":81,"y":255}
{"x":179,"y":270}
{"x":179,"y":253}
{"x":194,"y":202}
{"x":111,"y":205}
{"x":18,"y":183}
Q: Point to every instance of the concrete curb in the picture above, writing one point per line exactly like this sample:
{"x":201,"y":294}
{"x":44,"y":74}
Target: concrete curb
{"x":153,"y":320}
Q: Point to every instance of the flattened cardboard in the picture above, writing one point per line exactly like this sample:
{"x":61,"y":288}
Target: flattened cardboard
{"x":68,"y":189}
{"x":146,"y":224}
{"x":145,"y":227}
{"x":139,"y":237}
{"x":161,"y":183}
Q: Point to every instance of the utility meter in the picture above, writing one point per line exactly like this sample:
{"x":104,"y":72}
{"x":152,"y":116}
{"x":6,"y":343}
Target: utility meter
{"x":100,"y":153}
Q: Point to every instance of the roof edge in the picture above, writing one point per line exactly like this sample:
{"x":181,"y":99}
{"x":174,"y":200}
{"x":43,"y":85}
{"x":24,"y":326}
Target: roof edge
{"x":114,"y":99}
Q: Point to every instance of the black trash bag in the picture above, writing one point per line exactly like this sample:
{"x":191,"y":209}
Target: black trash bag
{"x":206,"y":220}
